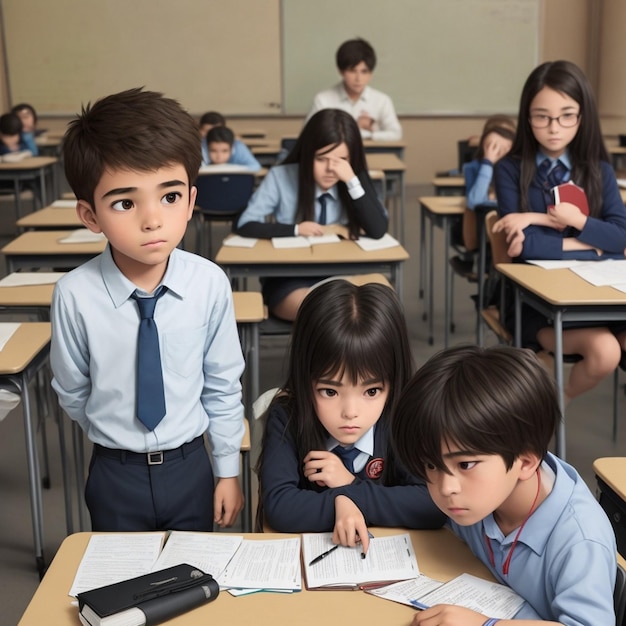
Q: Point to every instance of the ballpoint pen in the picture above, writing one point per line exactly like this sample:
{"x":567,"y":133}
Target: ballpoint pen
{"x":322,"y":556}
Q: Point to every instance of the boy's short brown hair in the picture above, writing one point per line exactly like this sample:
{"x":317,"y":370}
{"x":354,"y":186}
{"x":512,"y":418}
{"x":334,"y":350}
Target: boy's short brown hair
{"x":498,"y":400}
{"x":131,"y":130}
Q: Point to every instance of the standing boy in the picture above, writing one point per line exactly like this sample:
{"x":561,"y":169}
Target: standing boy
{"x":372,"y":109}
{"x":476,"y":425}
{"x":146,"y":400}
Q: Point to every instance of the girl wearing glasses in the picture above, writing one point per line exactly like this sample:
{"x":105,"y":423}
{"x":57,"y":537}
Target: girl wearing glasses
{"x":559,"y":139}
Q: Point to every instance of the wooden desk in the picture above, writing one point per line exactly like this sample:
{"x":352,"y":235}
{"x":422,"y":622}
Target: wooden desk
{"x":267,"y":152}
{"x":439,"y":555}
{"x":449,"y":185}
{"x":50,"y":218}
{"x":394,"y":170}
{"x":611,"y":476}
{"x":33,"y":169}
{"x":41,"y":248}
{"x":22,"y":357}
{"x":441,"y":211}
{"x":384,"y":147}
{"x":617,"y":154}
{"x":561,"y":296}
{"x":343,"y":258}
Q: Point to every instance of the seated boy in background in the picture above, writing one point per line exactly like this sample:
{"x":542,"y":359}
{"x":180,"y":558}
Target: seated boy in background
{"x":11,"y":137}
{"x":131,"y":159}
{"x":372,"y":109}
{"x":476,"y":424}
{"x":219,"y":141}
{"x":239,"y":154}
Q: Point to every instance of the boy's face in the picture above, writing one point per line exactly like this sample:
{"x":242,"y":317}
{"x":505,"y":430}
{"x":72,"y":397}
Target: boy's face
{"x":477,"y":485}
{"x":356,"y":79}
{"x":10,"y":141}
{"x":28,"y":120}
{"x":348,"y":411}
{"x":219,"y":152}
{"x":144,"y":216}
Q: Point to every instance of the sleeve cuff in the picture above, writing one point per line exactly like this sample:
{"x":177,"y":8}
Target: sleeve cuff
{"x":355,"y":189}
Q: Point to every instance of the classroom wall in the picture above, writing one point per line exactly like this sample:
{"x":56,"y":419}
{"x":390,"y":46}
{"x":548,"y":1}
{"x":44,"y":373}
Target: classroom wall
{"x":587,"y":32}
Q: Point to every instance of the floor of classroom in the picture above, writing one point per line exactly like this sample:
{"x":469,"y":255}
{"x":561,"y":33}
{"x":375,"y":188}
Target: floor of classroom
{"x":589,"y":419}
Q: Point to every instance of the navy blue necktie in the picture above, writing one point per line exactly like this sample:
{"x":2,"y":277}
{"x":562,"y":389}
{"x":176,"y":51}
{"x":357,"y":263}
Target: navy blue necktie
{"x":347,"y":455}
{"x":322,"y":200}
{"x":557,"y":174}
{"x":551,"y":178}
{"x":150,"y":393}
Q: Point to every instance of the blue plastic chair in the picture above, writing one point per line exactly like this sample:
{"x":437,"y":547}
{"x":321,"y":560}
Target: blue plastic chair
{"x":221,"y":198}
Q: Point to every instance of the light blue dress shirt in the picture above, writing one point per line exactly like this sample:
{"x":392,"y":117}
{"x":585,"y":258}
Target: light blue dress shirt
{"x":240,"y":155}
{"x":278,"y":196}
{"x":564,"y":563}
{"x":95,"y":324}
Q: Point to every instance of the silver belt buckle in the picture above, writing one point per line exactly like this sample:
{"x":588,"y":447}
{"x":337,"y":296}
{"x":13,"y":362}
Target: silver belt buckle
{"x":155,"y":458}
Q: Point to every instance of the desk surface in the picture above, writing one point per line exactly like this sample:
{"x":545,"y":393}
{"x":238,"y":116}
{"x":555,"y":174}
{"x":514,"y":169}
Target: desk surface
{"x":561,"y":287}
{"x":31,"y":163}
{"x":612,"y":470}
{"x":249,"y":308}
{"x":26,"y":296}
{"x":343,"y":252}
{"x":439,"y":555}
{"x":47,"y":242}
{"x":387,"y":162}
{"x":51,"y":217}
{"x":444,"y":205}
{"x":449,"y":181}
{"x":26,"y":343}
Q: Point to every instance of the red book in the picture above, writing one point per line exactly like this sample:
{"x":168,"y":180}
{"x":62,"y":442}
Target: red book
{"x":572,"y":193}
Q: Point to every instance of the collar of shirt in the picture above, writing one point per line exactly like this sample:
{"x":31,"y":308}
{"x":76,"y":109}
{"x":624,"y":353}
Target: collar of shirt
{"x":120,"y":288}
{"x":540,"y":524}
{"x":564,"y":158}
{"x":333,"y":191}
{"x":343,"y":94}
{"x":364,"y":444}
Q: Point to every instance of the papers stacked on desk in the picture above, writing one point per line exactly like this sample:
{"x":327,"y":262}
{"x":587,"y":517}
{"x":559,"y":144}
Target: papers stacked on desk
{"x":83,"y":235}
{"x":64,"y":204}
{"x":386,"y":241}
{"x":607,"y":273}
{"x":303,"y":242}
{"x":23,"y":279}
{"x":466,"y":590}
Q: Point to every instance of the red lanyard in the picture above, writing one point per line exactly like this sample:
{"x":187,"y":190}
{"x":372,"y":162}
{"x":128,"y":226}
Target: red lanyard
{"x":507,"y":562}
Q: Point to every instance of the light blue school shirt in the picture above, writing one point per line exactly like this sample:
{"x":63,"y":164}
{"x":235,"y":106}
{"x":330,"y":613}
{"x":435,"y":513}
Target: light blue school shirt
{"x":240,"y":155}
{"x":278,"y":196}
{"x":564,"y":563}
{"x":95,"y":324}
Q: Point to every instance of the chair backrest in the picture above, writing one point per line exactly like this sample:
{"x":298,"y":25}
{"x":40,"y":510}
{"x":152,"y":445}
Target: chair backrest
{"x":288,"y":143}
{"x":619,"y":596}
{"x":497,"y":241}
{"x":223,"y":192}
{"x":465,"y":153}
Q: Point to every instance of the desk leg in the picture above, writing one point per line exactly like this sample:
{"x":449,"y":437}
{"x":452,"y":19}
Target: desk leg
{"x":18,"y":200}
{"x":402,"y":204}
{"x":482,"y":268}
{"x":79,"y":463}
{"x":518,"y":318}
{"x":34,"y":478}
{"x":246,"y":513}
{"x":431,"y":282}
{"x":67,"y":487}
{"x":558,"y":374}
{"x":422,"y":253}
{"x":42,"y":188}
{"x":448,"y":282}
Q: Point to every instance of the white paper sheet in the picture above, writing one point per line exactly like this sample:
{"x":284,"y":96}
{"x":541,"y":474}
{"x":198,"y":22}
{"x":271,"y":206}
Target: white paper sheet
{"x":555,"y":265}
{"x":64,"y":204}
{"x":112,"y":558}
{"x":622,"y":182}
{"x":271,"y":564}
{"x":83,"y":235}
{"x":21,"y":279}
{"x":386,"y":241}
{"x":209,"y":552}
{"x":7,"y":329}
{"x":291,"y":242}
{"x":602,"y":273}
{"x":236,"y":241}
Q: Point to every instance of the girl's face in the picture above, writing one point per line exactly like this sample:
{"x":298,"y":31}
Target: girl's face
{"x":561,"y":114}
{"x":347,"y":411}
{"x":28,"y":121}
{"x":326,"y":163}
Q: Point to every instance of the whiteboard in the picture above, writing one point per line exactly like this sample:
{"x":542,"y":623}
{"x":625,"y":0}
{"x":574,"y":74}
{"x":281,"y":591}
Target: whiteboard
{"x":209,"y":54}
{"x":434,"y":56}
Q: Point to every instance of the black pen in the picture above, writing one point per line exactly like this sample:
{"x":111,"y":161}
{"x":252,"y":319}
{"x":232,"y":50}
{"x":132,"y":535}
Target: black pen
{"x":322,"y":556}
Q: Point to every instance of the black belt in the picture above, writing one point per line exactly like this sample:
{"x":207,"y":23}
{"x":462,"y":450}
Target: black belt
{"x":149,"y":458}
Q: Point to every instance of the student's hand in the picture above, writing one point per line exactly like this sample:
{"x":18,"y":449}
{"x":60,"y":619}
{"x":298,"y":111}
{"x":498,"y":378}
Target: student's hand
{"x":513,"y":222}
{"x":495,"y":147}
{"x":227,"y":501}
{"x":341,"y":168}
{"x":365,"y":122}
{"x":567,"y":214}
{"x":350,"y":527}
{"x":449,"y":615}
{"x":310,"y":229}
{"x":326,"y":469}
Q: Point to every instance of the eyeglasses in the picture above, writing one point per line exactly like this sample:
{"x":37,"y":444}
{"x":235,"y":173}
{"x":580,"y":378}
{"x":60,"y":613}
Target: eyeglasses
{"x":565,"y":120}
